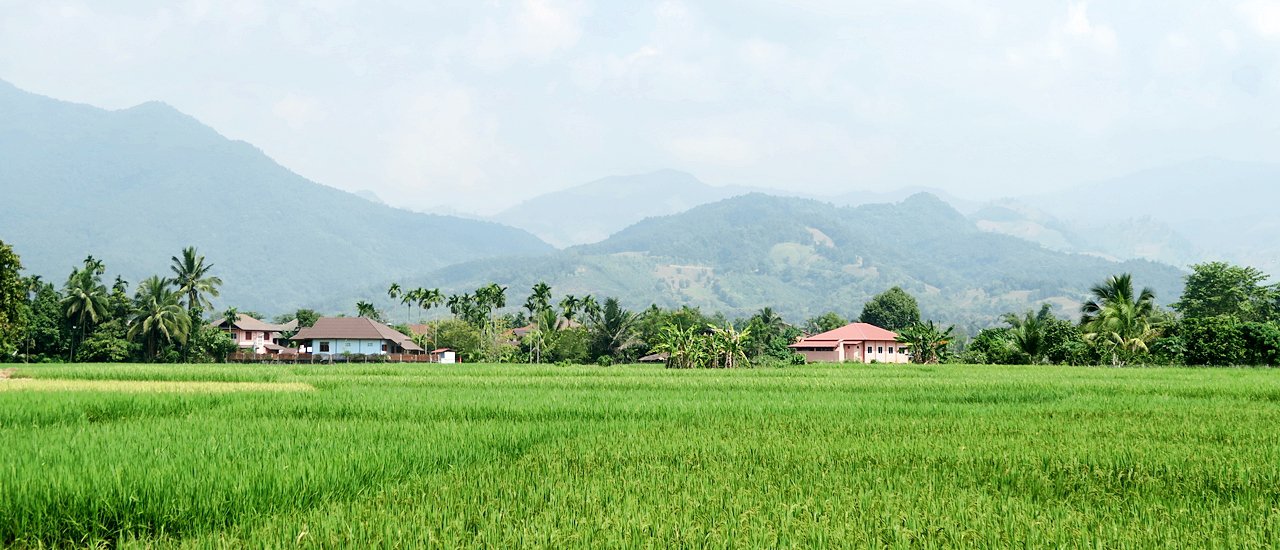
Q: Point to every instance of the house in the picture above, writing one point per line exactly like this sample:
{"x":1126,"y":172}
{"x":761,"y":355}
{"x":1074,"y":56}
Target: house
{"x":856,"y":342}
{"x":354,"y":336}
{"x":258,"y":335}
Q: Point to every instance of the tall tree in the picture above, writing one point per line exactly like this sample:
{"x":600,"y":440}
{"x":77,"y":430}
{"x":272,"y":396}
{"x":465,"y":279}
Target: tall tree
{"x":84,"y":300}
{"x":1219,"y":288}
{"x":191,"y":276}
{"x":13,"y":299}
{"x":539,"y":299}
{"x":395,"y":292}
{"x":1117,"y":319}
{"x":892,"y":309}
{"x":159,"y":315}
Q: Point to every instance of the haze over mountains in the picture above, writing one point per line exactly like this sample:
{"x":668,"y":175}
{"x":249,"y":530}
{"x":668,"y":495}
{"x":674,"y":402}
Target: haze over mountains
{"x":1206,"y":209}
{"x":132,"y":187}
{"x":135,"y":186}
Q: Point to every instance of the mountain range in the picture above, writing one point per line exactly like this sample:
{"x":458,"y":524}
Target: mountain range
{"x":133,"y":187}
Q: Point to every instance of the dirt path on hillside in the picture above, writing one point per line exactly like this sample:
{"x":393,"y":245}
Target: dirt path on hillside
{"x":7,"y":373}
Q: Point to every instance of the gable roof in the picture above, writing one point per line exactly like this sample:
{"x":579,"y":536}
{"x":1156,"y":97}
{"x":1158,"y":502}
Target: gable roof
{"x":850,"y":332}
{"x":245,"y":322}
{"x":354,"y":328}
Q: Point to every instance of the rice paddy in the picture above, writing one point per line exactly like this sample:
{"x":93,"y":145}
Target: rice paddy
{"x":638,"y":457}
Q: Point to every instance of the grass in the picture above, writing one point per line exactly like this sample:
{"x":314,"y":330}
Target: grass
{"x":509,"y":455}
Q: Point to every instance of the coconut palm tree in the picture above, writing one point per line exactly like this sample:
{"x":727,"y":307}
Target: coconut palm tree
{"x":191,"y":276}
{"x":158,"y":314}
{"x":613,"y":329}
{"x":1026,"y":334}
{"x":84,"y":300}
{"x":1117,"y":319}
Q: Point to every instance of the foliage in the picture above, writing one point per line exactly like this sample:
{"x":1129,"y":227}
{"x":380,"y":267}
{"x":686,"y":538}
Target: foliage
{"x":826,"y":322}
{"x":1262,"y":343}
{"x":712,"y":347}
{"x":892,"y":309}
{"x":193,"y":281}
{"x":1213,"y":341}
{"x":1117,"y":321}
{"x":13,"y":301}
{"x":158,"y":316}
{"x":463,"y":338}
{"x":614,"y":332}
{"x":84,"y":298}
{"x":1217,"y":288}
{"x":926,"y":342}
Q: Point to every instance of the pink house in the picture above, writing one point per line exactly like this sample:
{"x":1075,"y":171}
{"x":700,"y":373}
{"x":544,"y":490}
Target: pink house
{"x":252,"y":333}
{"x":857,"y":342}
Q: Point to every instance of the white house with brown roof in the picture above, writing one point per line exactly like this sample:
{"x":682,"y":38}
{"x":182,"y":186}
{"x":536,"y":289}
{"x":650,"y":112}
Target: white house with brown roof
{"x":856,"y":342}
{"x":261,"y":336}
{"x":355,"y":336}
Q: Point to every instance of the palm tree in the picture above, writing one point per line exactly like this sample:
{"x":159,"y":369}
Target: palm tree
{"x":84,"y":300}
{"x":570,"y":304}
{"x":545,"y":334}
{"x":1118,"y":319}
{"x":926,"y":342}
{"x":158,"y":314}
{"x":613,"y":329}
{"x":539,"y":300}
{"x":590,"y":306}
{"x":1026,"y":335}
{"x":192,"y":278}
{"x":366,"y":310}
{"x":394,"y":292}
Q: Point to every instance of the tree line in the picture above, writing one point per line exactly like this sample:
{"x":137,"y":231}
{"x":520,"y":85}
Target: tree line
{"x":1227,"y":315}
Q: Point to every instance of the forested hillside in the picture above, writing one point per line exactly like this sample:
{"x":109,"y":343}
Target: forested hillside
{"x":133,"y":187}
{"x":805,"y":257}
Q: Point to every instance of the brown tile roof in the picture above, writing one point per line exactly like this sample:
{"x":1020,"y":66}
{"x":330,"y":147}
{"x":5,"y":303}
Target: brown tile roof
{"x":354,"y":328}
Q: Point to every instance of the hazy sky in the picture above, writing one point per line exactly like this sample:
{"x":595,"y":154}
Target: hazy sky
{"x":478,"y":104}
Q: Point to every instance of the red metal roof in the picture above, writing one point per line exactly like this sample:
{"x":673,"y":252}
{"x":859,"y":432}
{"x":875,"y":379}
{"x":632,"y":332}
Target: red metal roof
{"x":849,"y":333}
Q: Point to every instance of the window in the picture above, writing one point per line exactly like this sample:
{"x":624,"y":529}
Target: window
{"x":890,"y":349}
{"x":324,"y":346}
{"x":881,"y":349}
{"x":384,"y":347}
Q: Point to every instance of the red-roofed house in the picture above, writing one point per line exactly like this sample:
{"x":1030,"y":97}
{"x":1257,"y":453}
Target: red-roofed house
{"x":856,"y":342}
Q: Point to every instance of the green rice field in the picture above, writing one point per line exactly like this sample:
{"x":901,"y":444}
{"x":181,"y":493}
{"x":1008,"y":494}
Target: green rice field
{"x":506,"y":456}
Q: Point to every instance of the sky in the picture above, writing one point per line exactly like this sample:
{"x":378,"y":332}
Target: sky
{"x":476,"y":105}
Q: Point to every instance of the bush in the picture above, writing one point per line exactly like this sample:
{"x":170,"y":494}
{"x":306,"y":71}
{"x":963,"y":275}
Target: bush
{"x":605,"y":361}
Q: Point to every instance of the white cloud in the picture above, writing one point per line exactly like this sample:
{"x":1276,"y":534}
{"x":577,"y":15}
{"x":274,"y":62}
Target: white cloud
{"x":1263,"y":16}
{"x":1078,"y":25}
{"x":531,"y":29}
{"x":298,"y":111}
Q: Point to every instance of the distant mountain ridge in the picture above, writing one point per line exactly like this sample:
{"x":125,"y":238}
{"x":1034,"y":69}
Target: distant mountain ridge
{"x":592,"y":211}
{"x":804,"y":257}
{"x":134,"y":186}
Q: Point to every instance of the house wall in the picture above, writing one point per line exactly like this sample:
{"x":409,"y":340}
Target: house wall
{"x":253,"y":338}
{"x":354,"y":347}
{"x":820,"y":356}
{"x":879,"y":351}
